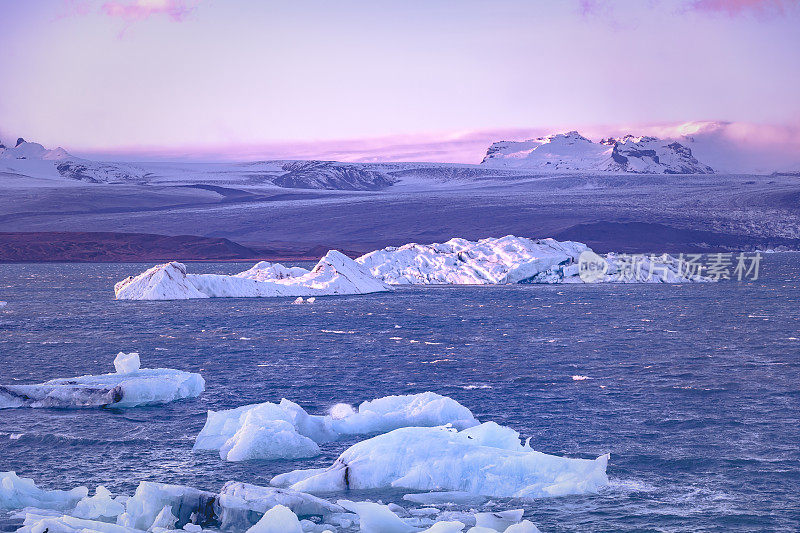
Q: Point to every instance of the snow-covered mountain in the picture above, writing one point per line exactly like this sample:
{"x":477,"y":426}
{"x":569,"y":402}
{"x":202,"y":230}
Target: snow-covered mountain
{"x":571,"y":151}
{"x":26,"y":150}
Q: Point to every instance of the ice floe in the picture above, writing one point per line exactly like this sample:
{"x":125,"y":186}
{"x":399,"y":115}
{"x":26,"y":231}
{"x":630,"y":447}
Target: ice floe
{"x":335,"y":273}
{"x":286,"y":431}
{"x":239,"y":508}
{"x":129,"y":386}
{"x":443,"y":459}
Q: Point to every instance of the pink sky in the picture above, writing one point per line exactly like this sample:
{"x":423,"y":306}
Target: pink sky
{"x":377,"y":80}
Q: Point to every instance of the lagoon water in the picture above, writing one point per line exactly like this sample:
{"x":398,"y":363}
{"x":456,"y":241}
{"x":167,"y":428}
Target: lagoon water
{"x":693,"y":389}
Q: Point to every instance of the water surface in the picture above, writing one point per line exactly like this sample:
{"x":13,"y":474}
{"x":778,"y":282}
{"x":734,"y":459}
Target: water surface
{"x":693,"y":389}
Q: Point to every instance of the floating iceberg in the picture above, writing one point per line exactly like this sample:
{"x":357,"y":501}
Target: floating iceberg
{"x":335,"y":273}
{"x":18,"y":492}
{"x":487,"y":460}
{"x":510,"y":259}
{"x":287,"y":431}
{"x":130,"y":386}
{"x":492,"y":261}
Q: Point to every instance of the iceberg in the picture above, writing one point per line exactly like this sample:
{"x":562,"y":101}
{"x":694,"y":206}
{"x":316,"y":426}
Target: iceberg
{"x":18,"y":492}
{"x":489,"y":261}
{"x":335,"y":273}
{"x":480,"y":460}
{"x":129,"y":386}
{"x":286,"y":431}
{"x":510,"y":259}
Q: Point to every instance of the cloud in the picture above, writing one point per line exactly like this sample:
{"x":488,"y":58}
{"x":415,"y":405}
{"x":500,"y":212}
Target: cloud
{"x":607,"y":10}
{"x":740,"y":7}
{"x":131,"y":11}
{"x":730,"y":147}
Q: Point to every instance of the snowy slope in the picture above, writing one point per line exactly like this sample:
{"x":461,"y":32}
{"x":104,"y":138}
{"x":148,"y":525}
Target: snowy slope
{"x":573,"y":152}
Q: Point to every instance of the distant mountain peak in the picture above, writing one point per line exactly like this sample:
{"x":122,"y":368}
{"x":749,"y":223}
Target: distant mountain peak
{"x":28,"y":150}
{"x":572,"y":151}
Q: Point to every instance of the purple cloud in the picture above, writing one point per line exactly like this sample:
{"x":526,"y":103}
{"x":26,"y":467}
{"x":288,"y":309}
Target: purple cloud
{"x":135,"y":10}
{"x":739,"y":7}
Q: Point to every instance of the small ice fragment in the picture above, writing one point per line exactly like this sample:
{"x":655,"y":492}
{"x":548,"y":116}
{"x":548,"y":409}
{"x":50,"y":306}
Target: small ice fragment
{"x":451,"y":526}
{"x":311,"y":300}
{"x":445,"y":498}
{"x":127,"y":363}
{"x":194,"y":528}
{"x":298,"y":300}
{"x":526,"y":526}
{"x":98,"y":507}
{"x":499,"y":521}
{"x":580,"y":378}
{"x":279,"y":519}
{"x":377,"y":517}
{"x":341,"y":410}
{"x":3,"y":304}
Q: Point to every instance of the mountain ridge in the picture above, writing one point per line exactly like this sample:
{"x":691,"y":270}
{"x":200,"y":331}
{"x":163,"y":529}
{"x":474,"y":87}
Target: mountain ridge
{"x":571,"y":151}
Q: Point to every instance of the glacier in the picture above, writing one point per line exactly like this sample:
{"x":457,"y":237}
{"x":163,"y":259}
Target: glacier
{"x":335,"y":273}
{"x":286,"y":431}
{"x":444,"y":459}
{"x":129,"y":386}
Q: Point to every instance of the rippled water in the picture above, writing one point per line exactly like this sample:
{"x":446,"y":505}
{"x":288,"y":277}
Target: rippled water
{"x":693,"y":389}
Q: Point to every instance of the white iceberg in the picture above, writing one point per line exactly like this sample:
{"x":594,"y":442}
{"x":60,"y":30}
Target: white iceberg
{"x":443,"y":459}
{"x":510,"y":259}
{"x":287,"y":431}
{"x":18,"y":492}
{"x":335,"y":273}
{"x":130,"y":386}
